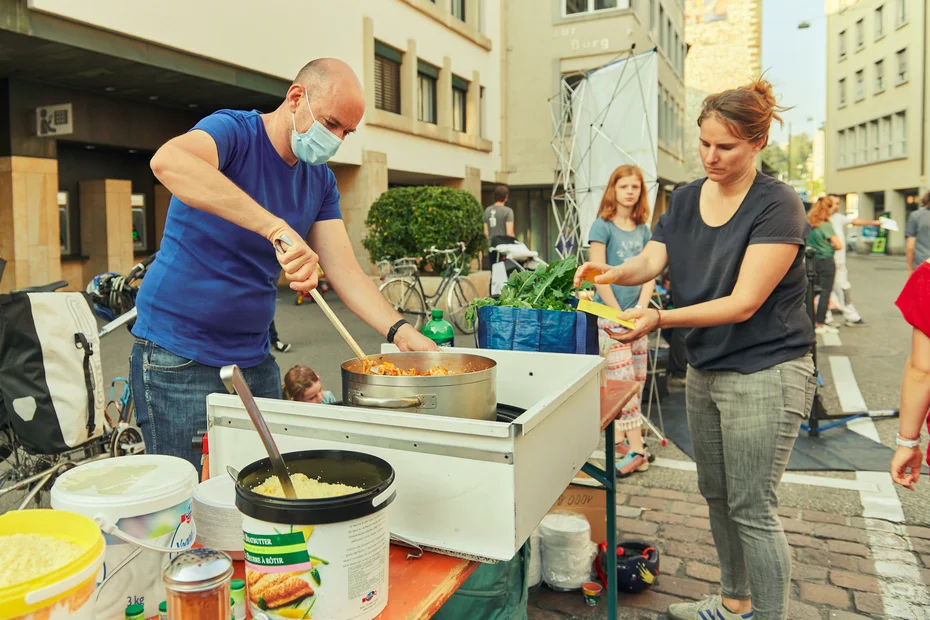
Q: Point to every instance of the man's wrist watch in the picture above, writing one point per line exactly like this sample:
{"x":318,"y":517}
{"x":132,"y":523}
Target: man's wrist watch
{"x":393,"y":331}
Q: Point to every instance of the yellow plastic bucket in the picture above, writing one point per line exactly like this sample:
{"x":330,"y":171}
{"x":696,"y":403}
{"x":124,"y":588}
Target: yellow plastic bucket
{"x":67,"y":592}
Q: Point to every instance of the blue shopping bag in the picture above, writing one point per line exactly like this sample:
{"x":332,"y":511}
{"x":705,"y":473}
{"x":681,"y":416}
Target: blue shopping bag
{"x":545,"y":331}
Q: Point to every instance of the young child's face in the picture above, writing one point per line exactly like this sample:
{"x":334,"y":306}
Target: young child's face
{"x":313,"y":394}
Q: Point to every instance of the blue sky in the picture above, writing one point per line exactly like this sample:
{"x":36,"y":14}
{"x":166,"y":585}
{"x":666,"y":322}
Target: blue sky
{"x":796,"y":61}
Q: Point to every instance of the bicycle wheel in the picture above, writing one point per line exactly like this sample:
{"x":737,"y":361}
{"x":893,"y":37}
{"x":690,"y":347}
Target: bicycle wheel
{"x":461,"y":294}
{"x":404,"y":296}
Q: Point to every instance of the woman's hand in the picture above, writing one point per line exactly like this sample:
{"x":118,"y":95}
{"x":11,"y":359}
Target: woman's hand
{"x":599,"y":273}
{"x":905,"y":466}
{"x":645,"y":321}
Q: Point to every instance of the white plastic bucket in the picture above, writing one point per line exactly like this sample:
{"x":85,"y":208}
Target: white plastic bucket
{"x":321,"y":558}
{"x":143,"y":505}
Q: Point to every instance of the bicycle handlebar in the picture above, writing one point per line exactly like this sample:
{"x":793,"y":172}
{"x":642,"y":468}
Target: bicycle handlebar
{"x":460,"y":248}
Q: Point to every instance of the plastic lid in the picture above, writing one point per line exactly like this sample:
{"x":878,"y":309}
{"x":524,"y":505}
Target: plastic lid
{"x":198,"y":570}
{"x":237,"y":584}
{"x":135,"y":610}
{"x":163,"y":607}
{"x":125,"y":486}
{"x":436,"y":314}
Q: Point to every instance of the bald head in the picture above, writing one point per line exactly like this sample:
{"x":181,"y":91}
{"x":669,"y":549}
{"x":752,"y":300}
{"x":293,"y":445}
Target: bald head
{"x":334,"y":93}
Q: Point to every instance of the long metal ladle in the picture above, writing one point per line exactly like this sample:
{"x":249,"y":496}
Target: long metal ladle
{"x":235,"y":383}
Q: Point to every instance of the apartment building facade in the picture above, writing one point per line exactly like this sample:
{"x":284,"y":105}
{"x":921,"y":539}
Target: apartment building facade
{"x":77,"y":197}
{"x":548,"y":39}
{"x":877,"y":92}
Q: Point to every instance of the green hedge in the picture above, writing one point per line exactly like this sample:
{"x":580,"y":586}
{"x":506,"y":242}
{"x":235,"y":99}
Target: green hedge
{"x":406,"y":220}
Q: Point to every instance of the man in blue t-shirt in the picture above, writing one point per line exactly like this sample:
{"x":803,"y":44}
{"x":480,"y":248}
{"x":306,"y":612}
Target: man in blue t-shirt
{"x":241,"y":183}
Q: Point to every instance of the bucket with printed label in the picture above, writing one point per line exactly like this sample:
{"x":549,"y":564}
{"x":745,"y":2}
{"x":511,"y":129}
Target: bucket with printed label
{"x":143,"y":506}
{"x":51,"y":590}
{"x":327,"y":556}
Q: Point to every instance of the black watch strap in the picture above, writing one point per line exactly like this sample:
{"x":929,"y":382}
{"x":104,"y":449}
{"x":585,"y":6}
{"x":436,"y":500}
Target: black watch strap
{"x":393,"y":331}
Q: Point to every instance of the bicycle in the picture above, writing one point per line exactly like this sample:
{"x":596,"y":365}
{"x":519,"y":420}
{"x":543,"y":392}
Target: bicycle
{"x":34,"y":473}
{"x":404,"y":290}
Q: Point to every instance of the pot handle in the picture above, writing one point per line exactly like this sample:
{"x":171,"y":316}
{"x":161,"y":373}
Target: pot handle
{"x":386,"y":403}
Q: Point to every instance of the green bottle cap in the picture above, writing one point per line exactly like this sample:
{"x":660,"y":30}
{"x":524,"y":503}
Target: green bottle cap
{"x":163,"y":607}
{"x":236,"y":584}
{"x":437,"y":314}
{"x":135,"y":612}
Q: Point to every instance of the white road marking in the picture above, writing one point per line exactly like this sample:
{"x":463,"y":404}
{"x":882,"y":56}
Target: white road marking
{"x":831,"y":340}
{"x":816,"y":481}
{"x":845,"y":383}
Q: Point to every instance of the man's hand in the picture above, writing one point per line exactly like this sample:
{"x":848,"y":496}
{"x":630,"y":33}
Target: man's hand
{"x":599,"y":273}
{"x":300,"y":263}
{"x":905,"y":466}
{"x":409,"y":339}
{"x":645,"y":321}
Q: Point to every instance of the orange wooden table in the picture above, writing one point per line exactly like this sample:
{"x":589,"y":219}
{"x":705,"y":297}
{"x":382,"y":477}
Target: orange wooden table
{"x":416,"y":588}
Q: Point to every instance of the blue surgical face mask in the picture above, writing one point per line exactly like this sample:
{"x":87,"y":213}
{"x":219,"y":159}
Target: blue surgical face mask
{"x":315,"y":146}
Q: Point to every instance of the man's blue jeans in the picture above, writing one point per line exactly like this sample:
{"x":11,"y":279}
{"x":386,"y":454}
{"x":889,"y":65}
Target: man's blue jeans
{"x":169,"y":394}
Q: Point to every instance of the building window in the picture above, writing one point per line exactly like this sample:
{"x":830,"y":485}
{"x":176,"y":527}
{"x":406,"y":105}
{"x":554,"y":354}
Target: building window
{"x":860,"y":34}
{"x":668,"y":36}
{"x":139,"y":238}
{"x":901,"y":60}
{"x":902,"y":13}
{"x":458,"y":9}
{"x":900,"y":121}
{"x":842,"y":92}
{"x":879,"y":22}
{"x":427,"y":78}
{"x":874,"y":141}
{"x":842,"y":45}
{"x":880,"y":76}
{"x":841,"y":149}
{"x":574,"y":7}
{"x":387,"y":78}
{"x":860,"y":84}
{"x":64,"y":223}
{"x":887,"y":138}
{"x":863,"y":135}
{"x":652,"y":15}
{"x":459,"y":103}
{"x":851,"y":146}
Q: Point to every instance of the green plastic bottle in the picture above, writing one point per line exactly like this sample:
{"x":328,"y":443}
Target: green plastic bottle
{"x":135,"y":612}
{"x":440,"y":330}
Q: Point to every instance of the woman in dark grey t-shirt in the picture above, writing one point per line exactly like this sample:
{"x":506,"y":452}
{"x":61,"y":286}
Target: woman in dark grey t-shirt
{"x":735,"y":243}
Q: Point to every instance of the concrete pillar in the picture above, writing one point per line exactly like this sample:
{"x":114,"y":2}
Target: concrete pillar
{"x":359,"y":187}
{"x":162,"y":199}
{"x":409,"y":97}
{"x":866,"y":210}
{"x":106,"y":226}
{"x":473,"y":106}
{"x":29,"y":227}
{"x":444,"y":94}
{"x":895,"y":204}
{"x":471,"y":182}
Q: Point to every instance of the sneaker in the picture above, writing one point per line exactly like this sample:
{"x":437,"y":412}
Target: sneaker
{"x":632,"y":463}
{"x":710,"y":608}
{"x":826,"y":329}
{"x":282,"y":347}
{"x":859,"y":323}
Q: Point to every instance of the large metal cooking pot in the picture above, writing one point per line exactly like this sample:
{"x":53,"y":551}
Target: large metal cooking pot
{"x":472,"y":393}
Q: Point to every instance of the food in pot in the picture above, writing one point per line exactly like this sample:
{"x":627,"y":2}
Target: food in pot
{"x":27,"y":556}
{"x":306,"y":488}
{"x":391,"y":370}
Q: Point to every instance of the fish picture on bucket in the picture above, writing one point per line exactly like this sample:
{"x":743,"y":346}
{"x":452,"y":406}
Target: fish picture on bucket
{"x":292,"y":592}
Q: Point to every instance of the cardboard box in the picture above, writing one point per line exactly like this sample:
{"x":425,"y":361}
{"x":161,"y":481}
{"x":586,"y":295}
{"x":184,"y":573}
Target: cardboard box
{"x":589,"y":501}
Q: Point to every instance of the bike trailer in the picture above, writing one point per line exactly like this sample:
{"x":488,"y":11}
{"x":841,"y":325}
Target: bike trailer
{"x":51,"y":377}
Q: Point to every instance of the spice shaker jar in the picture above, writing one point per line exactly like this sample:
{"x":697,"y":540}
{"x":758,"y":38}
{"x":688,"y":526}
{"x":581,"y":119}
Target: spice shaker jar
{"x":197,"y":585}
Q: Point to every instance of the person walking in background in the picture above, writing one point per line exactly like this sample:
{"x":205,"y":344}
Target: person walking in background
{"x":841,"y":295}
{"x":735,"y":244}
{"x":618,"y":234}
{"x":917,"y":234}
{"x":280,"y":347}
{"x":498,"y":220}
{"x":914,"y":304}
{"x":822,"y":238}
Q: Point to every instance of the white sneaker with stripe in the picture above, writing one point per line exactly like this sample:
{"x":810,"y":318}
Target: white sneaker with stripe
{"x":710,"y":608}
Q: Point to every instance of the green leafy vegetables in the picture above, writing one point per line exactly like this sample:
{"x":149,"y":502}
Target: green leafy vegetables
{"x":547,"y":288}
